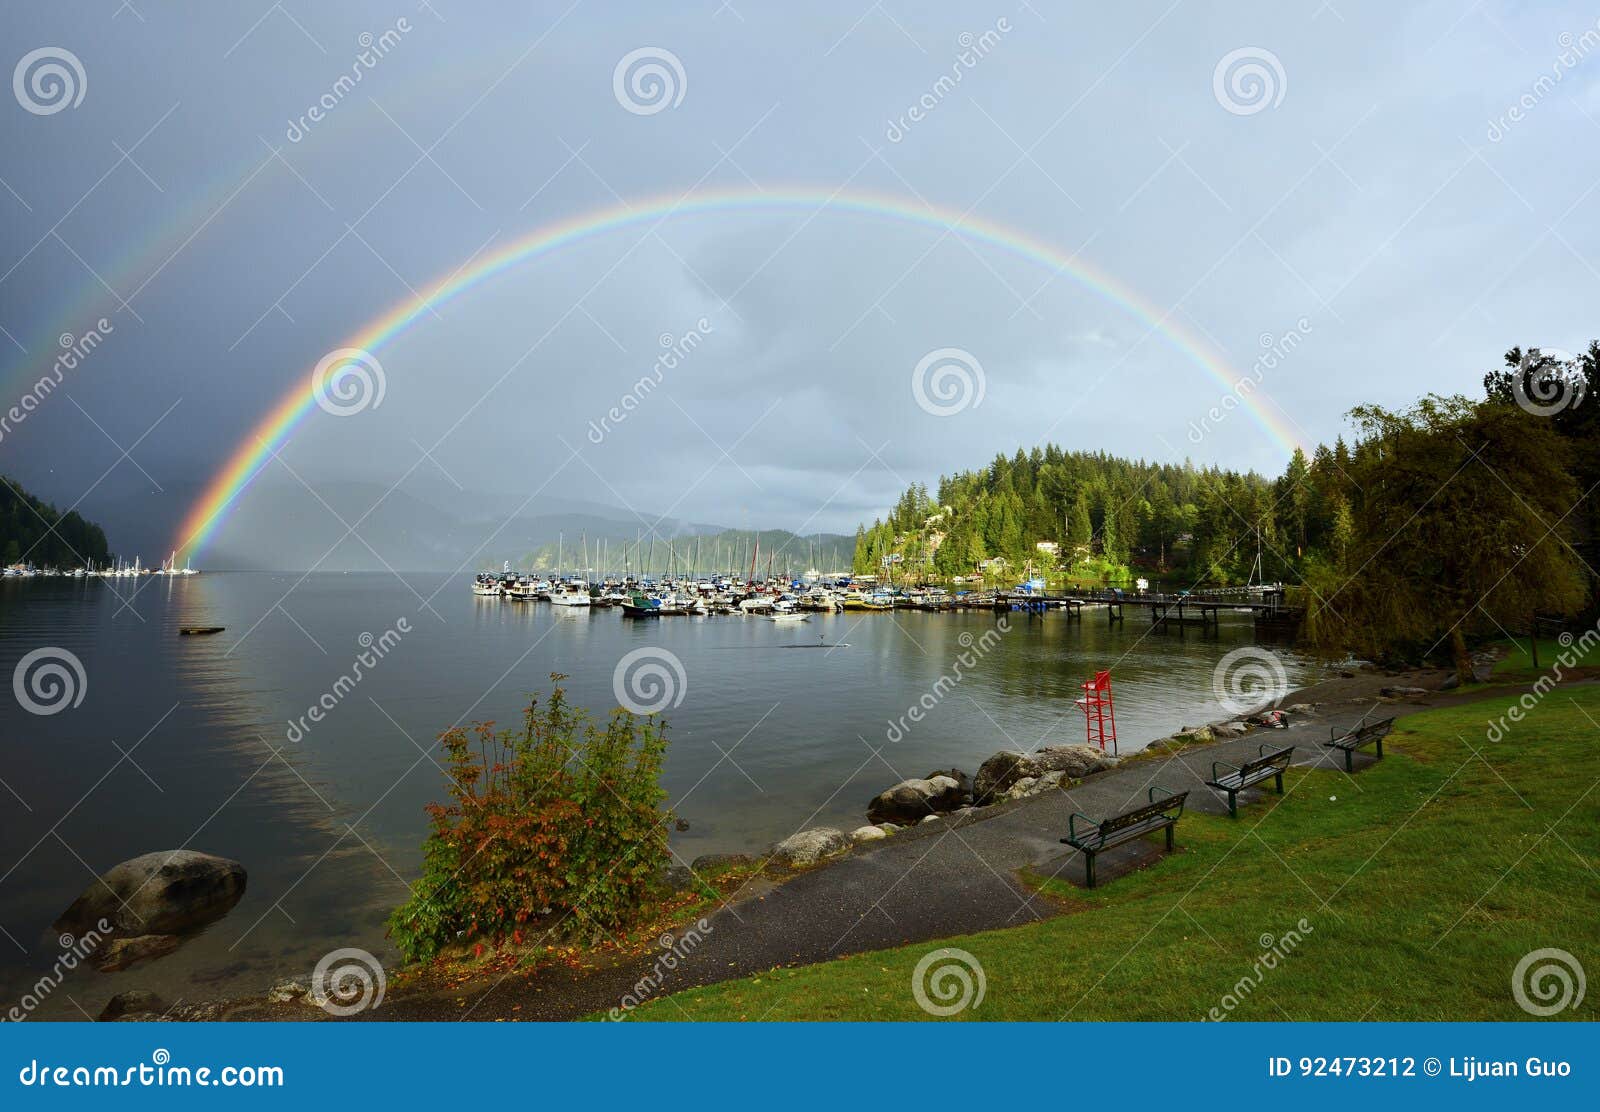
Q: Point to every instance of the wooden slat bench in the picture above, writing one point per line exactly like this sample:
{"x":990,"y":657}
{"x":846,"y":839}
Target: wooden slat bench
{"x":1372,"y":733}
{"x":1161,"y":812}
{"x":1267,"y":766}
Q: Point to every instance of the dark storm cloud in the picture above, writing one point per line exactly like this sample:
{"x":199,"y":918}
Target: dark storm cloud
{"x":238,"y":197}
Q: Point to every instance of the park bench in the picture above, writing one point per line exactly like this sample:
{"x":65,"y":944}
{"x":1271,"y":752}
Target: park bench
{"x":1267,"y":766}
{"x":1161,"y":812}
{"x":1372,"y":733}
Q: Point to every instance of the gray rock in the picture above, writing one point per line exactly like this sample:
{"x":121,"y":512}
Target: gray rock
{"x":159,"y":893}
{"x":1401,"y":691}
{"x":910,"y":800}
{"x":867,"y":834}
{"x":1451,"y":682}
{"x":961,"y":778}
{"x":930,"y":818}
{"x":285,"y":991}
{"x":999,"y":772}
{"x":120,"y":953}
{"x":889,"y":827}
{"x":1076,"y":761}
{"x":810,"y":846}
{"x":677,"y":878}
{"x":1300,"y":708}
{"x":1022,"y":788}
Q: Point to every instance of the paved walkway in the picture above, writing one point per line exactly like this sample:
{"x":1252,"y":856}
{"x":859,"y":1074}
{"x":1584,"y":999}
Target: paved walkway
{"x":930,"y":882}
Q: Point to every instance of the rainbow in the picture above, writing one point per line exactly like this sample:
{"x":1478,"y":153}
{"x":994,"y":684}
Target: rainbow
{"x":270,"y":432}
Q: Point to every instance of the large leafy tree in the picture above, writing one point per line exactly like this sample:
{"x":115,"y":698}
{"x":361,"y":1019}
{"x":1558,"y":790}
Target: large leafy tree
{"x":1461,"y":528}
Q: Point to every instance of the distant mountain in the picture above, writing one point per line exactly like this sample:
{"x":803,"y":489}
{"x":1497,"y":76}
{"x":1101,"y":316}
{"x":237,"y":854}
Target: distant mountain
{"x":353,"y":526}
{"x":34,"y":532}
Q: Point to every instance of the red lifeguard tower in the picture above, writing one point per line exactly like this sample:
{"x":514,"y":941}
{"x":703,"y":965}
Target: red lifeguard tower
{"x":1099,"y":712}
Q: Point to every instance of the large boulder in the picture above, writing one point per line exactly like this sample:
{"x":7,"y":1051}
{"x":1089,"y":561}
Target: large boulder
{"x":999,"y":773}
{"x":158,"y":893}
{"x":1075,"y":761}
{"x":810,"y":846}
{"x":911,"y":800}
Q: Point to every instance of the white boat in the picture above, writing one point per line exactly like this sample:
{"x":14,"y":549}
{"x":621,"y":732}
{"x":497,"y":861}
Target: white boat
{"x":787,"y":617}
{"x":569,"y":594}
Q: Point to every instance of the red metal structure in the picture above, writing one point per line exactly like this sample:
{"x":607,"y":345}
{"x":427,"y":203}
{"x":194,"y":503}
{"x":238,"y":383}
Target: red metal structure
{"x":1099,"y":712}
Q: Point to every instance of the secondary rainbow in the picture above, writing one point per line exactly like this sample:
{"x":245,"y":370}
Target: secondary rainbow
{"x":270,"y":432}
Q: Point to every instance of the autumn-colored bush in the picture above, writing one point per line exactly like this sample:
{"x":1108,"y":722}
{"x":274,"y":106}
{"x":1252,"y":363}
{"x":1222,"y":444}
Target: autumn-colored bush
{"x":555,"y":829}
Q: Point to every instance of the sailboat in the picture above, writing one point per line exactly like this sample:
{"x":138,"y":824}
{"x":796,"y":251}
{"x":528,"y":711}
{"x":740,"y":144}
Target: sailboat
{"x":566,"y":593}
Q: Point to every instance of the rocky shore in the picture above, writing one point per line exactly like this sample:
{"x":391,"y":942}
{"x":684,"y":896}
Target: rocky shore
{"x":1003,"y":782}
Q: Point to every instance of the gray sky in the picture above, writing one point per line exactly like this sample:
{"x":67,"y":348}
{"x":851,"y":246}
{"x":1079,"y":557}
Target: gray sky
{"x":1372,"y":193}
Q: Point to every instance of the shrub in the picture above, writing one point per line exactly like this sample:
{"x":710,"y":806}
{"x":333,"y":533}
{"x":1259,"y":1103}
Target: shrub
{"x":557,"y":827}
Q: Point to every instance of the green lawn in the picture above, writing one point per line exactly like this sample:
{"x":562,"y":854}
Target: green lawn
{"x":1423,"y":880}
{"x":1518,"y":661}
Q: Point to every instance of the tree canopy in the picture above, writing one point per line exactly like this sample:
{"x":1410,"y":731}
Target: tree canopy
{"x":35,"y":532}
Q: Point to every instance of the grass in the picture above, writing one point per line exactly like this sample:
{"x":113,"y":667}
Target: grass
{"x":1518,"y":661}
{"x":1423,"y":879}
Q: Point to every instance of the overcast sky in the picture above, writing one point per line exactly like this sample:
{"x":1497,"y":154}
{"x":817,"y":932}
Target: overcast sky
{"x":1352,"y":174}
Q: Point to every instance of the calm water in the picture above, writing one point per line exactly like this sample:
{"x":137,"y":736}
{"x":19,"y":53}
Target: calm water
{"x":187,"y":741}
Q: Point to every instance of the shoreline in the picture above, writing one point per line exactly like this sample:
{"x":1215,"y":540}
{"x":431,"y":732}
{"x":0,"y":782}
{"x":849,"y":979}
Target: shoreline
{"x":575,"y":976}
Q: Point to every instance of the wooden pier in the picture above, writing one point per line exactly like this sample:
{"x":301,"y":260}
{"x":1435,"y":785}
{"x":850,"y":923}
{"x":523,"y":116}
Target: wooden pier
{"x":1201,"y":609}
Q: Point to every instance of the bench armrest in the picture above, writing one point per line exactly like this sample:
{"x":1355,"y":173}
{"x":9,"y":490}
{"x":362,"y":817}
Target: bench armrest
{"x":1158,"y":792}
{"x":1264,"y":749}
{"x":1214,"y":774}
{"x":1072,"y":824}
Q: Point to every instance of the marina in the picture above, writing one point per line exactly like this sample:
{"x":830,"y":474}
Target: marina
{"x":788,"y":601}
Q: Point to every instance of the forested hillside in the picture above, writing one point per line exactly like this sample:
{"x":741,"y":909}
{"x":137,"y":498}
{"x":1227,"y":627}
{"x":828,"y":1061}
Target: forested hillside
{"x":35,"y":532}
{"x":1100,"y":517}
